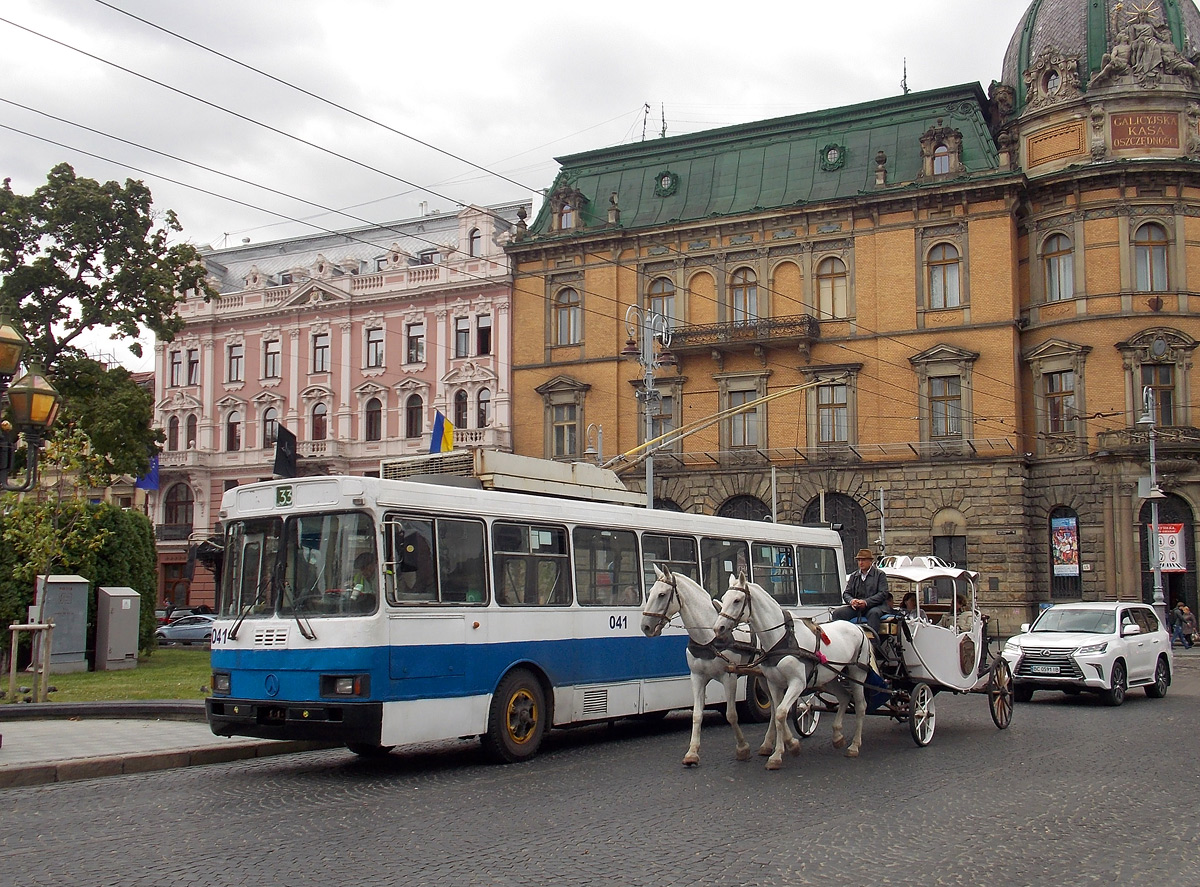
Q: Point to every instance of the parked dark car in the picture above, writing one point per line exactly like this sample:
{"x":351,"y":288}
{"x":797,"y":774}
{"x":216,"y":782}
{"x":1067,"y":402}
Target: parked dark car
{"x":194,"y":629}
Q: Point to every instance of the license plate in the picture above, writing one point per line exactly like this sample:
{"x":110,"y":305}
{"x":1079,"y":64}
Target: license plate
{"x":1044,"y":669}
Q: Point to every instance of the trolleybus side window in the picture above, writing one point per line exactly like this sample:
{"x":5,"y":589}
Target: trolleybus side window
{"x":531,"y":565}
{"x":774,"y":569}
{"x":720,"y":559}
{"x":462,"y":577}
{"x":674,"y":553}
{"x":820,"y":579}
{"x":411,"y":567}
{"x":606,"y":571}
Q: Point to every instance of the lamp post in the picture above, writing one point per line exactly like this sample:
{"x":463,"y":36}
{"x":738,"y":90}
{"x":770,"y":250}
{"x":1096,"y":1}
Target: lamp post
{"x":1149,"y":420}
{"x":31,"y":400}
{"x":646,"y":328}
{"x":594,"y":451}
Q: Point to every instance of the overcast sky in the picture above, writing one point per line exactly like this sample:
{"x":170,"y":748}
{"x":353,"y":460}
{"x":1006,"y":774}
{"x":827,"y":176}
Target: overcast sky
{"x":507,"y":86}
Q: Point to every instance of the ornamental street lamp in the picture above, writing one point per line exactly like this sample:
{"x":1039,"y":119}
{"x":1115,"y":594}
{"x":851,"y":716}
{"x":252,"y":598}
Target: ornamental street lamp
{"x":647,"y":329}
{"x":32,"y":402}
{"x":1149,"y":420}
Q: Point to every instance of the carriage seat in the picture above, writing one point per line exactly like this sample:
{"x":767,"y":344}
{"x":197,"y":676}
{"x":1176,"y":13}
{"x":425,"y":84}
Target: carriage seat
{"x":889,"y":623}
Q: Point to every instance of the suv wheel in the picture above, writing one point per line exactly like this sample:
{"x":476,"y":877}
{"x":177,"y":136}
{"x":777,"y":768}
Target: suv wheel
{"x":1022,"y":692}
{"x":1162,"y":680}
{"x":1115,"y":694}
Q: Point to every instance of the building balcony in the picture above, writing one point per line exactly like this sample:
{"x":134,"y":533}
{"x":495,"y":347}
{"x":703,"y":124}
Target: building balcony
{"x":172,"y":532}
{"x":1169,"y":441}
{"x":799,"y":331}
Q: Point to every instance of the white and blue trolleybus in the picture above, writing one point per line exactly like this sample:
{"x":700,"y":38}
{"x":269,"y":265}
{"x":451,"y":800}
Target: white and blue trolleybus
{"x":379,"y":612}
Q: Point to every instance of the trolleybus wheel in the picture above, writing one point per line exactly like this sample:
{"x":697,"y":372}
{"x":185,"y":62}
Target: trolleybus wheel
{"x":369,"y":749}
{"x":922,"y":714}
{"x":517,"y":719}
{"x":1000,"y":693}
{"x":757,"y":707}
{"x":805,"y":720}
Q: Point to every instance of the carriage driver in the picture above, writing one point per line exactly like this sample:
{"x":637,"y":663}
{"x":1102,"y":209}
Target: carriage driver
{"x":866,"y":592}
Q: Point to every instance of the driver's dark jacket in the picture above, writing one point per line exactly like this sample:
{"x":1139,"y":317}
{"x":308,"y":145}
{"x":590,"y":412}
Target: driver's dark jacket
{"x":873,"y":589}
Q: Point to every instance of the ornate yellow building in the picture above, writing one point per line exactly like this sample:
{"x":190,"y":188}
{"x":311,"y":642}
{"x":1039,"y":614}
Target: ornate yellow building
{"x":975,"y":292}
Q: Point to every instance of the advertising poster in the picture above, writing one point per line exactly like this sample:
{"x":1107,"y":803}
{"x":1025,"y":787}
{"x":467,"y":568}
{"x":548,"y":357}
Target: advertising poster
{"x":1064,"y":546}
{"x":1171,"y":557}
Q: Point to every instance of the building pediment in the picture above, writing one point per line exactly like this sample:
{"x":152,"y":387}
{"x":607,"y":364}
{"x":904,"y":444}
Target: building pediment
{"x":943,"y":353}
{"x":316,"y":292}
{"x":1053,"y":348}
{"x":561,"y":383}
{"x":229,"y":402}
{"x":179,"y":400}
{"x":370,"y":389}
{"x":316,"y":392}
{"x":267,"y":399}
{"x":470,"y":372}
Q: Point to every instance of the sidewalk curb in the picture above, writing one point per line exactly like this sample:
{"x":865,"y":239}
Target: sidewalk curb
{"x":92,"y":768}
{"x":159,"y":709}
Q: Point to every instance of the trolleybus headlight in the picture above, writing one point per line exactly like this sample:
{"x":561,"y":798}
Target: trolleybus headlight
{"x":220,"y":683}
{"x":345,"y":685}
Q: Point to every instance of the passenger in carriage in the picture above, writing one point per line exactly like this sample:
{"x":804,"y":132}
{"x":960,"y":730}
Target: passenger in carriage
{"x":911,"y":609}
{"x":966,"y":618}
{"x":866,"y":593}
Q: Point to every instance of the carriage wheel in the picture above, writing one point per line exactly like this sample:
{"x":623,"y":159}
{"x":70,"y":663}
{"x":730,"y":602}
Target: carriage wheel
{"x":804,"y":721}
{"x":1000,"y":693}
{"x":922,"y":715}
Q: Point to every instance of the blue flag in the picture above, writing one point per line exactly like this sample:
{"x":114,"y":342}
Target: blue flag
{"x":149,"y":481}
{"x":442,"y":438}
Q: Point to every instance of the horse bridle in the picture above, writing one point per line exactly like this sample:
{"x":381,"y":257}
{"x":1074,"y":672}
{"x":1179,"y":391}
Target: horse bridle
{"x":663,"y":617}
{"x":744,"y":616}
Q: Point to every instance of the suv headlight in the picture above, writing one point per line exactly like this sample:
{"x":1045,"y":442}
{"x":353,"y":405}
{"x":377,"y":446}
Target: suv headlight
{"x":1092,"y":648}
{"x":1012,"y":647}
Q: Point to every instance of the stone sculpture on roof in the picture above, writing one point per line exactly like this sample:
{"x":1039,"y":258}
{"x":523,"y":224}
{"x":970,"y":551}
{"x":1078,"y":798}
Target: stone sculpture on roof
{"x":1143,"y":50}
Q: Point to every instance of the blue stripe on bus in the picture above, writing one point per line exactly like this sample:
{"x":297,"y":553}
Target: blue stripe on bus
{"x":449,"y":670}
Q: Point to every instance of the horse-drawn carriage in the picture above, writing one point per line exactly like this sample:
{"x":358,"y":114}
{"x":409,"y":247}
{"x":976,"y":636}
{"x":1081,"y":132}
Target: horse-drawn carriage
{"x":940,"y":646}
{"x":812,"y":665}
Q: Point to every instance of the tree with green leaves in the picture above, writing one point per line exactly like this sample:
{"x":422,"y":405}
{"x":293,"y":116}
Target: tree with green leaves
{"x":78,"y":256}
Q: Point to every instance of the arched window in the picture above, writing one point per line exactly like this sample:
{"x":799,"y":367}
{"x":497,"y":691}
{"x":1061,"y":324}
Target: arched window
{"x":178,"y":508}
{"x":743,"y":296}
{"x":943,"y":276}
{"x":474,"y":242}
{"x":660,"y":298}
{"x":320,"y":422}
{"x":173,"y":433}
{"x":190,"y":432}
{"x":270,"y":426}
{"x":1065,"y":581}
{"x":233,"y":432}
{"x":941,"y":160}
{"x":1057,"y":259}
{"x":745,"y":508}
{"x":414,"y":414}
{"x":374,"y":419}
{"x":832,"y":289}
{"x":1150,"y":258}
{"x":567,"y":318}
{"x":566,"y":217}
{"x":460,"y":409}
{"x":840,"y":509}
{"x":483,"y":416}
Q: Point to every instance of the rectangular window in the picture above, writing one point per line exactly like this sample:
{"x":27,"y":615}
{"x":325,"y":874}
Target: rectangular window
{"x":743,"y":427}
{"x":674,"y":553}
{"x":565,"y":430}
{"x":945,"y":406}
{"x":483,"y":334}
{"x":1060,"y":401}
{"x":176,"y":376}
{"x":375,"y":348}
{"x":721,"y":559}
{"x":606,"y":568}
{"x":662,"y":420}
{"x":531,"y":565}
{"x":462,"y":337}
{"x":320,"y":353}
{"x":819,"y":576}
{"x":1160,"y":377}
{"x":236,"y":356}
{"x":415,"y":347}
{"x":775,"y":570}
{"x":272,"y":359}
{"x":193,"y":366}
{"x":833,"y":415}
{"x":438,"y":561}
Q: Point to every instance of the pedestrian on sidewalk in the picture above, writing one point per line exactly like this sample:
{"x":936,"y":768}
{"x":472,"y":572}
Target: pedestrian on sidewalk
{"x":1189,"y":627}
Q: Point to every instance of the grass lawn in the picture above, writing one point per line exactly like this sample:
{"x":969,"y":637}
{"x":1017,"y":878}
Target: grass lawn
{"x":171,"y":673}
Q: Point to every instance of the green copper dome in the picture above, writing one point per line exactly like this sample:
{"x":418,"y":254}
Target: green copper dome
{"x":1087,"y":28}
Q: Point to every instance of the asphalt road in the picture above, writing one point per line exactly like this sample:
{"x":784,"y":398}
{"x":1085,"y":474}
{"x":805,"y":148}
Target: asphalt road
{"x":1073,"y":793}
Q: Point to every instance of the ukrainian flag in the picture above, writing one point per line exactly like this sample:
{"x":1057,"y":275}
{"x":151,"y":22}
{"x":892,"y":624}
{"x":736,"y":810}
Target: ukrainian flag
{"x":442,"y":439}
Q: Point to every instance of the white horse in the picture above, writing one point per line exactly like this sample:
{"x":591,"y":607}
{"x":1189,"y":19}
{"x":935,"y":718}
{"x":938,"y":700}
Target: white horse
{"x":798,"y":659}
{"x":707,"y":659}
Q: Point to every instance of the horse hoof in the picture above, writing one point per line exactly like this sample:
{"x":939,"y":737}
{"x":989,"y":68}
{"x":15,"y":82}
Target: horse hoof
{"x":840,"y":742}
{"x":793,"y":748}
{"x":773,"y":764}
{"x":691,"y":760}
{"x":743,"y":754}
{"x":852,"y":752}
{"x":766,"y":750}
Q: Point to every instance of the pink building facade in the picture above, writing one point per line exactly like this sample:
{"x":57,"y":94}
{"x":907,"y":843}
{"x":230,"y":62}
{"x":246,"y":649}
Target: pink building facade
{"x":352,"y":341}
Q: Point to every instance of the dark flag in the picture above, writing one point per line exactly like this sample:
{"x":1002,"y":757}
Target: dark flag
{"x":285,"y":453}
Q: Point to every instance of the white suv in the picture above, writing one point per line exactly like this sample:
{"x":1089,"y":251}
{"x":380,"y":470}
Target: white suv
{"x":1102,"y":646}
